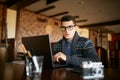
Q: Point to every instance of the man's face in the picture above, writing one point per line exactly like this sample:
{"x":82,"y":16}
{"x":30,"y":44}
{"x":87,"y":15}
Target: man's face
{"x":68,"y":29}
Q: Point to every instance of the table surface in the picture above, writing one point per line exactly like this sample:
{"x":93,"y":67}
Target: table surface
{"x":16,"y":71}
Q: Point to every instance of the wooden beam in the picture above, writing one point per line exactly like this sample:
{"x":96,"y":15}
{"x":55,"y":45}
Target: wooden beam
{"x":50,"y":1}
{"x":76,"y":16}
{"x":9,"y":3}
{"x":24,"y":3}
{"x":58,"y":14}
{"x":107,"y":23}
{"x":18,"y":4}
{"x":84,"y":20}
{"x":45,"y":9}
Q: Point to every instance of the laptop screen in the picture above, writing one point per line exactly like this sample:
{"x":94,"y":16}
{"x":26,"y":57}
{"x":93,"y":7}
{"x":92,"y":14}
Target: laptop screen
{"x":39,"y":46}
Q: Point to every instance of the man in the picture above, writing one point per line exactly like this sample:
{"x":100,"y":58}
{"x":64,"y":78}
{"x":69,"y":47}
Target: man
{"x":73,"y":49}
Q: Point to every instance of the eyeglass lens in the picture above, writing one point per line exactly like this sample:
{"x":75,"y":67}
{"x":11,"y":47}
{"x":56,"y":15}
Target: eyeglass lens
{"x":67,"y":28}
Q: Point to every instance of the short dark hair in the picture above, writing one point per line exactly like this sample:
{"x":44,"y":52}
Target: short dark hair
{"x":68,"y":18}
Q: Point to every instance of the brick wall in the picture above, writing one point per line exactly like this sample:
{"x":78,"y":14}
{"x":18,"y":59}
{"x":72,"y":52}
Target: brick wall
{"x":31,"y":24}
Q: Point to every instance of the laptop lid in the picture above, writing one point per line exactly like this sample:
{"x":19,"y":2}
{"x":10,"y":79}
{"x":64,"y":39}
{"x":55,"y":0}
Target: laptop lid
{"x":39,"y":46}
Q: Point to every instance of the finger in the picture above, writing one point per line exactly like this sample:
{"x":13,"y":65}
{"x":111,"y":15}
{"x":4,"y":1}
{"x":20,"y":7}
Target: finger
{"x":55,"y":57}
{"x":58,"y":58}
{"x":57,"y":54}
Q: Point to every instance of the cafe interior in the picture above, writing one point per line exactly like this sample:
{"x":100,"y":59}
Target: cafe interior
{"x":98,"y":20}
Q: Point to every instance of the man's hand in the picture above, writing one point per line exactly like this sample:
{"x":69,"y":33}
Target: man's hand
{"x":59,"y":56}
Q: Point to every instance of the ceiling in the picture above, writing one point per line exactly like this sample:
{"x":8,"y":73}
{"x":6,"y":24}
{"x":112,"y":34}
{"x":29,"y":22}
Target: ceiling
{"x":99,"y":14}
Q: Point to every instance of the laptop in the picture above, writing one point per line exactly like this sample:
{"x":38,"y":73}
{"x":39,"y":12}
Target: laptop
{"x":41,"y":46}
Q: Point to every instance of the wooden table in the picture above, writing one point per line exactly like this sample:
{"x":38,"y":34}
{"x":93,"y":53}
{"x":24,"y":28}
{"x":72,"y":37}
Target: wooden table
{"x":15,"y":71}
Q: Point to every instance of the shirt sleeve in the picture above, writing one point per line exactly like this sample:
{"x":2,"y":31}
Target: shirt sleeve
{"x":88,"y":54}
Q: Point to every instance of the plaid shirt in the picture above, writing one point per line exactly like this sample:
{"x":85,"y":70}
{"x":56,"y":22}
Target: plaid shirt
{"x":82,"y":49}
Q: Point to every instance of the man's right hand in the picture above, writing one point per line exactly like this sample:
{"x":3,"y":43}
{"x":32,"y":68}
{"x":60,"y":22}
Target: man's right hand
{"x":59,"y":56}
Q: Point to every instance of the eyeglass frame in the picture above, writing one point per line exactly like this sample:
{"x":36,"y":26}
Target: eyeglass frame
{"x":63,"y":28}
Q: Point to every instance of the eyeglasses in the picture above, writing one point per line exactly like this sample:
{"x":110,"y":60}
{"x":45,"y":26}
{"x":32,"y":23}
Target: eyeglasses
{"x":63,"y":28}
